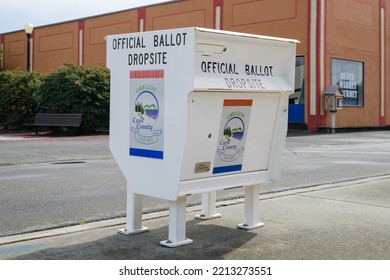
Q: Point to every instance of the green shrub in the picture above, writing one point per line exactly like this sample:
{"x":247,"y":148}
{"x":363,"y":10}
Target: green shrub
{"x":78,"y":89}
{"x":18,"y":103}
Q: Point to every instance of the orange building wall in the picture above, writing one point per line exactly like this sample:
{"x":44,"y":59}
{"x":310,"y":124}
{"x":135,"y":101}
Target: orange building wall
{"x":199,"y":13}
{"x":269,"y":17}
{"x":353,"y":33}
{"x":15,"y":50}
{"x":95,"y":29}
{"x":54,"y":45}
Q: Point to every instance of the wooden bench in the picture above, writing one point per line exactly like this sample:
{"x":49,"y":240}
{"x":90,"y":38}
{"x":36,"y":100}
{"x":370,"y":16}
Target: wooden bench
{"x":57,"y":120}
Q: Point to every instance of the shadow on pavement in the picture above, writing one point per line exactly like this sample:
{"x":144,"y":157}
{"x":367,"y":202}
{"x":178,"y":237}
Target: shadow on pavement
{"x":145,"y":246}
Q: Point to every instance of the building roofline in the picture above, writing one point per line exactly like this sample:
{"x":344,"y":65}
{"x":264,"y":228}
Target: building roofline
{"x":95,"y":16}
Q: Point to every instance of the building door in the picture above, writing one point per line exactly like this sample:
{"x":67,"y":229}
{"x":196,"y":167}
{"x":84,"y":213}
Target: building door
{"x":296,"y":108}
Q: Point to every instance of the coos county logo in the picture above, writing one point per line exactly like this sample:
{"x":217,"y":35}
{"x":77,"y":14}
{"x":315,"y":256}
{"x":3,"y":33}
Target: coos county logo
{"x":146,"y":110}
{"x":233,"y":132}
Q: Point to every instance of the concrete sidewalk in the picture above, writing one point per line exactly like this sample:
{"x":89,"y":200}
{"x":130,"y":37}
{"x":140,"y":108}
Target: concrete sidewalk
{"x":349,"y":220}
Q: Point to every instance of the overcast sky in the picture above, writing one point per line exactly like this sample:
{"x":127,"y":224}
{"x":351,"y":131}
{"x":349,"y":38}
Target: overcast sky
{"x":15,"y":14}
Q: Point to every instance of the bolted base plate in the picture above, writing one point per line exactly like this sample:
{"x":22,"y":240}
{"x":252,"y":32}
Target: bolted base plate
{"x":248,"y":227}
{"x":128,"y":232}
{"x":204,"y":217}
{"x":170,"y":244}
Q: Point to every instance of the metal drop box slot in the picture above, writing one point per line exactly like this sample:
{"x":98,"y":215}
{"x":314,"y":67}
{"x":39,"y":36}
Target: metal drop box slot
{"x":196,"y":110}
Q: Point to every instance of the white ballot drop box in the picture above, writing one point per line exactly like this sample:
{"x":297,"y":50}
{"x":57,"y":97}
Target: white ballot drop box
{"x":196,"y":110}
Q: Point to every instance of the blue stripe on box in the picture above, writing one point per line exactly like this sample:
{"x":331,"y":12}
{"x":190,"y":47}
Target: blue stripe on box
{"x":146,"y":153}
{"x":230,"y":168}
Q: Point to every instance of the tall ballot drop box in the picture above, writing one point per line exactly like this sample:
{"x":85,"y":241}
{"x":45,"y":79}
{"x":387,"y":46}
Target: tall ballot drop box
{"x":196,"y":110}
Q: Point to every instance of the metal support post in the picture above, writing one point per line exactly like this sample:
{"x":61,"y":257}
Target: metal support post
{"x":251,"y":208}
{"x":134,"y":214}
{"x":177,"y":224}
{"x":333,"y":120}
{"x":208,"y":207}
{"x":333,"y":123}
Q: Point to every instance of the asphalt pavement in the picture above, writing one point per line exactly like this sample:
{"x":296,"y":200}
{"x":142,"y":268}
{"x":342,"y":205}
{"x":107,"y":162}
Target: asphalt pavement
{"x":348,"y":220}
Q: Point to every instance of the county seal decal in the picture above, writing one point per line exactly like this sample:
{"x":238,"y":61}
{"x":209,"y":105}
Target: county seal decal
{"x":147,"y":108}
{"x":146,"y":116}
{"x":233,"y":132}
{"x":232,"y":136}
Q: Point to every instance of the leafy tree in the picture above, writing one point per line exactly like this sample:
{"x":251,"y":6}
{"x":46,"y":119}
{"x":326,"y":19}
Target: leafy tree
{"x":69,"y":89}
{"x":18,"y":92}
{"x":78,"y":89}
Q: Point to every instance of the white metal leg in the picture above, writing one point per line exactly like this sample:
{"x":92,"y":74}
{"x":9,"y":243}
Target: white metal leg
{"x":134,"y":214}
{"x":251,"y":208}
{"x":177,"y":224}
{"x":208,"y":207}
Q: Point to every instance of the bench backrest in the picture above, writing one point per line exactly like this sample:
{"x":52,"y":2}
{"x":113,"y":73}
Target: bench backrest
{"x":65,"y":119}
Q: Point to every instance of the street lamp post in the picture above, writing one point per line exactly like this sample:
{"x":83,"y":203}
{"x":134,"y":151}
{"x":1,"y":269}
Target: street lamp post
{"x":28,"y":29}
